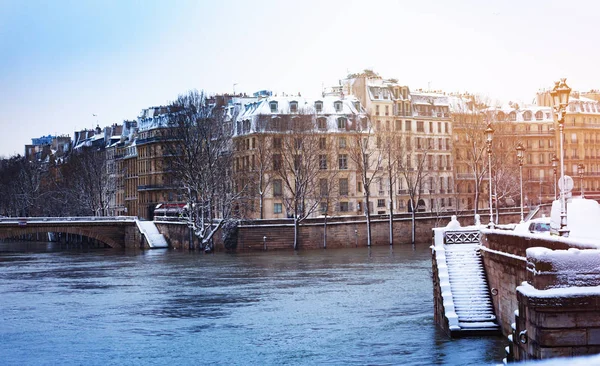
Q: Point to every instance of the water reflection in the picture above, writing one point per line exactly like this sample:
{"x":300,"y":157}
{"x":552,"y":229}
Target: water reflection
{"x":340,"y":306}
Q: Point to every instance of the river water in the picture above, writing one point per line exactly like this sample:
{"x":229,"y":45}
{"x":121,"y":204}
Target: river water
{"x":159,"y":307}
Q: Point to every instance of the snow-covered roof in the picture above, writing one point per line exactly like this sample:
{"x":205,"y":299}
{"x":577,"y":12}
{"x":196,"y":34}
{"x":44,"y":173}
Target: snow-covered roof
{"x":528,"y":113}
{"x":330,"y":108}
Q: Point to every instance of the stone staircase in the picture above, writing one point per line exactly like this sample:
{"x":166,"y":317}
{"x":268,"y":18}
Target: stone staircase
{"x":153,"y":237}
{"x":469,"y":290}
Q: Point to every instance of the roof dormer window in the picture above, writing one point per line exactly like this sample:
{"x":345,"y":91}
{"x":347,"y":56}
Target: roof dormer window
{"x":319,"y":106}
{"x":294,"y":107}
{"x":273,"y":105}
{"x":338,"y":106}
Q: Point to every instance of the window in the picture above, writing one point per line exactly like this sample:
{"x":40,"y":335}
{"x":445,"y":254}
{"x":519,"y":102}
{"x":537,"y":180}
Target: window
{"x":277,"y":188}
{"x":431,"y":127}
{"x":380,"y":203}
{"x":512,"y":116}
{"x":407,"y":126}
{"x":342,"y":142}
{"x":323,"y":143}
{"x":343,"y":161}
{"x":420,"y":126}
{"x":323,"y":187}
{"x":377,"y":110}
{"x":293,"y":107}
{"x":298,"y":143}
{"x":398,"y":125}
{"x":387,"y":110}
{"x":574,"y":137}
{"x":338,"y":106}
{"x":297,"y":162}
{"x":344,"y":207}
{"x":356,"y":105}
{"x":323,"y":207}
{"x":539,"y":115}
{"x":319,"y":106}
{"x":273,"y":106}
{"x":323,"y":162}
{"x":341,"y":123}
{"x":322,"y":123}
{"x":343,"y":186}
{"x":277,"y":208}
{"x":277,"y":142}
{"x":277,"y":162}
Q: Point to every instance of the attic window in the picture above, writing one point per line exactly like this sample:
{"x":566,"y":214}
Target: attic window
{"x":273,"y":105}
{"x":319,"y":106}
{"x":322,"y":123}
{"x":539,"y":115}
{"x":293,"y":107}
{"x":513,"y":116}
{"x":357,"y":106}
{"x":527,"y":116}
{"x":338,"y":106}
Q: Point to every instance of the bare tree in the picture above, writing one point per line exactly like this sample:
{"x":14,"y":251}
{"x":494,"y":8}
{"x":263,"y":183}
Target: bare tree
{"x":414,"y":170}
{"x":471,"y":149}
{"x":201,"y":162}
{"x":89,"y":185}
{"x":328,"y":194}
{"x":298,"y":168}
{"x":367,"y":160}
{"x":390,"y":144}
{"x":260,"y":171}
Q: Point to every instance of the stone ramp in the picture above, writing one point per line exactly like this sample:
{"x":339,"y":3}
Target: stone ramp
{"x":469,"y":290}
{"x":153,"y":237}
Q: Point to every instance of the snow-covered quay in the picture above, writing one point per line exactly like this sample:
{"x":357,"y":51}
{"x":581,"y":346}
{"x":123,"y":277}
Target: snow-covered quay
{"x":542,"y":291}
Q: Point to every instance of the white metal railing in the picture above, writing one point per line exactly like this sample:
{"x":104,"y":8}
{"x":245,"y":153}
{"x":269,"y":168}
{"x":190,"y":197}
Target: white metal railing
{"x":67,"y":219}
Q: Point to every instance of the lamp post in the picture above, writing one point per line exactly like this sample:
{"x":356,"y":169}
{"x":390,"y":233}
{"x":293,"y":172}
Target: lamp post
{"x":520,"y":153}
{"x":489,"y":132}
{"x":560,"y":99}
{"x":554,"y":165}
{"x":581,"y":170}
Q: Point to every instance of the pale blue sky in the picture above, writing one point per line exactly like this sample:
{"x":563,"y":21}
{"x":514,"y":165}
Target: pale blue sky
{"x":62,"y":61}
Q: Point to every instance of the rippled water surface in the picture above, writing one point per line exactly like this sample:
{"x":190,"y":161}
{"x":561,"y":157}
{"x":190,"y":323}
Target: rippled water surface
{"x":323,"y":307}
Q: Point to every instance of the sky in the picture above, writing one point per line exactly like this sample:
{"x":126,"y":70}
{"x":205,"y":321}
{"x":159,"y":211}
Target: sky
{"x":62,"y":62}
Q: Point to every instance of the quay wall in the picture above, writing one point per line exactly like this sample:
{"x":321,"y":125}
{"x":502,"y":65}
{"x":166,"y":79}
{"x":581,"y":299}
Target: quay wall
{"x":547,"y":309}
{"x":342,"y":232}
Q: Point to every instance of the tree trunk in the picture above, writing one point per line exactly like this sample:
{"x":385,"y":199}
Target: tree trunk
{"x":325,"y":232}
{"x":414,"y":226}
{"x":368,"y":212}
{"x":391,"y":211}
{"x":295,"y":233}
{"x":261,"y":206}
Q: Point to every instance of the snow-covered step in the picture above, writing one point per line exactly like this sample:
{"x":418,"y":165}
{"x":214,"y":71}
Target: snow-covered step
{"x":468,"y":287}
{"x":153,"y":237}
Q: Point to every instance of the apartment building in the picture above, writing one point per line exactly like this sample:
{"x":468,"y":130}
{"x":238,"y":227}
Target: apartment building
{"x":420,"y":124}
{"x":317,"y":133}
{"x":581,"y":138}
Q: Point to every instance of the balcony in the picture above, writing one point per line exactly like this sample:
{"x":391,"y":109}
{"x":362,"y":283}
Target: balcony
{"x":153,"y":187}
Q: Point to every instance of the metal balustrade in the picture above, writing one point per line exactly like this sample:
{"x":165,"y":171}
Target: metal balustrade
{"x":462,"y":237}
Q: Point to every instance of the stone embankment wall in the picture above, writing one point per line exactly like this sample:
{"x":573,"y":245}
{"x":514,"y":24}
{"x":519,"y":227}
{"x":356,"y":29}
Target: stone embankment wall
{"x":545,"y":297}
{"x":506,"y":268}
{"x":342,"y":232}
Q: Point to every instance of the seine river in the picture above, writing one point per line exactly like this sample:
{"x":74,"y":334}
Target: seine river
{"x":159,"y":307}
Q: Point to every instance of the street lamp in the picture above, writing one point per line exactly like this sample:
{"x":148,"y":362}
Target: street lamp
{"x":489,"y":132}
{"x":554,"y":165}
{"x":581,"y":170}
{"x":560,"y":99}
{"x":520,"y":153}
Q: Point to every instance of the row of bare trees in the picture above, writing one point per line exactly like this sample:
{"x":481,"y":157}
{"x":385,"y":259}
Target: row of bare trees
{"x":79,"y":186}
